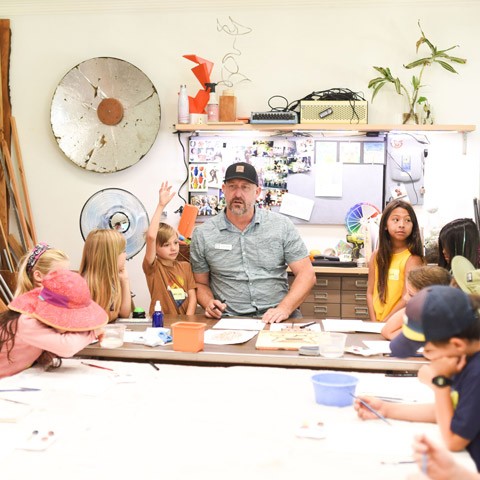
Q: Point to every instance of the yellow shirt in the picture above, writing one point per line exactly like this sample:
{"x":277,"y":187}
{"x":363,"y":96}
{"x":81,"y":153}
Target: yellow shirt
{"x":395,"y":284}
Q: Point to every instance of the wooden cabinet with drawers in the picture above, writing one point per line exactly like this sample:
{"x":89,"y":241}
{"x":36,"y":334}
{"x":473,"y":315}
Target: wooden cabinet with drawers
{"x":337,"y":293}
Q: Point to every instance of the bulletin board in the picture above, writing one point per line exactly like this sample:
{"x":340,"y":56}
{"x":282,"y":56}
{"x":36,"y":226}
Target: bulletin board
{"x":311,"y":179}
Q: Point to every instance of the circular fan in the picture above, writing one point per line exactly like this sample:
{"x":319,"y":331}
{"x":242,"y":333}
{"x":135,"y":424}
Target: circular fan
{"x":117,"y":209}
{"x":359,"y":215}
{"x":105,"y":114}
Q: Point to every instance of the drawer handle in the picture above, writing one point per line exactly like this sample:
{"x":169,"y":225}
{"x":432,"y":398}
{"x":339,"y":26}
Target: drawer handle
{"x":361,"y":283}
{"x":361,"y":311}
{"x":322,"y":282}
{"x":320,"y":296}
{"x":319,"y":309}
{"x":361,"y":296}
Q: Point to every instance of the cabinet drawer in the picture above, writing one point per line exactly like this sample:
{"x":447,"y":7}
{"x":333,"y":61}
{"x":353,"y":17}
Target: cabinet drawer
{"x":355,"y":311}
{"x":327,"y":310}
{"x":328,"y":283}
{"x":354,"y":283}
{"x":357,"y":298}
{"x":323,"y":296}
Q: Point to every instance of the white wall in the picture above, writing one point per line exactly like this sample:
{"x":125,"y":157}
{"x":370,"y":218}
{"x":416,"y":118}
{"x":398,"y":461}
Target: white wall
{"x":292,"y":51}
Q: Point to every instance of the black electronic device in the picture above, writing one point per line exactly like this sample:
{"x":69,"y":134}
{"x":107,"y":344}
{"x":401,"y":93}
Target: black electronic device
{"x":275,"y":116}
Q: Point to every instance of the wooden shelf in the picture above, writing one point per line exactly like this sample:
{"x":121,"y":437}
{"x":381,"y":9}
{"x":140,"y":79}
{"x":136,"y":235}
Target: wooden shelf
{"x":326,"y":127}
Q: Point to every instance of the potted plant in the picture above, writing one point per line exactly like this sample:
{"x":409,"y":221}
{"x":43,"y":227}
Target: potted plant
{"x":440,"y":57}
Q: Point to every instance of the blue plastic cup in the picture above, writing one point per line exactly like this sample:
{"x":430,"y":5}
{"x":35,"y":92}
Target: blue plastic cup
{"x":334,"y":389}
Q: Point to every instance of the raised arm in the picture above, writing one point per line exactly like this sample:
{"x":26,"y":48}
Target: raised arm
{"x":164,"y":197}
{"x":298,"y":292}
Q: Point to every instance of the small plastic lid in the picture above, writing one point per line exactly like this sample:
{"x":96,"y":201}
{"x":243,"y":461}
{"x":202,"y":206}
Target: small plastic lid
{"x":158,"y":307}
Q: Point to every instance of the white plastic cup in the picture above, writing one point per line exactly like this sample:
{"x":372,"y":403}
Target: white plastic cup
{"x":113,"y":336}
{"x":332,"y":344}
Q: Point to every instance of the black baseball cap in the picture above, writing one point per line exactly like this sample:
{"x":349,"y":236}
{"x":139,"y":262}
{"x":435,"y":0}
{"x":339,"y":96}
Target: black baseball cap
{"x":242,"y":170}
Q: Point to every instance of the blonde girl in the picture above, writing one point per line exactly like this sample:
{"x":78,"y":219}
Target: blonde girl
{"x":34,"y":265}
{"x":103,"y":267}
{"x":399,"y":250}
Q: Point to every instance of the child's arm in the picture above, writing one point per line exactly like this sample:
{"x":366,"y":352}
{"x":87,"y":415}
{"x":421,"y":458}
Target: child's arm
{"x":394,"y":325}
{"x":409,"y":412}
{"x":126,"y":303}
{"x":444,"y":409}
{"x":370,"y":286}
{"x":165,"y":195}
{"x":192,"y":301}
{"x":39,"y":335}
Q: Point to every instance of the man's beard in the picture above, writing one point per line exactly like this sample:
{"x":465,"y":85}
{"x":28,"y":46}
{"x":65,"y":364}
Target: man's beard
{"x":238,"y":209}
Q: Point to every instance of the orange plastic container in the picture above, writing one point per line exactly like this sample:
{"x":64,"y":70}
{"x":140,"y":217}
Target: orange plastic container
{"x":188,"y":336}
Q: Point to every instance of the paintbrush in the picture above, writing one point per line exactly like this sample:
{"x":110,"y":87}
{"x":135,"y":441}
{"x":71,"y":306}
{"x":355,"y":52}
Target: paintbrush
{"x":368,"y":407}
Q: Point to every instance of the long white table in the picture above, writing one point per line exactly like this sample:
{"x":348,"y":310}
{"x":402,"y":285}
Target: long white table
{"x":247,"y":354}
{"x":182,"y":422}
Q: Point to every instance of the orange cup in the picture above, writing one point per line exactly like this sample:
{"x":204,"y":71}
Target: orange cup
{"x":188,"y":336}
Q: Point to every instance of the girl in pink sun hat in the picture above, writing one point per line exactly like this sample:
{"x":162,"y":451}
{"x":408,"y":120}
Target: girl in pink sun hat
{"x":55,"y":320}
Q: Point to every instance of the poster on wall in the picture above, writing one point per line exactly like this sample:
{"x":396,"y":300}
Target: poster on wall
{"x":197,"y":179}
{"x":290,"y":168}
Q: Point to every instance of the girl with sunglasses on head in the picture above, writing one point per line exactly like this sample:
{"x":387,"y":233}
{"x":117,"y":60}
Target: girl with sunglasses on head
{"x":37,"y":263}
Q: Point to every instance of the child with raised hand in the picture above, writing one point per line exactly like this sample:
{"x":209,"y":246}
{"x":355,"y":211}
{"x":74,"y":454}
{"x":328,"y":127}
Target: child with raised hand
{"x":399,"y":251}
{"x":103,"y":267}
{"x":34,"y":265}
{"x":168,"y":280}
{"x":448,"y":318}
{"x":417,"y":279}
{"x":56,"y":320}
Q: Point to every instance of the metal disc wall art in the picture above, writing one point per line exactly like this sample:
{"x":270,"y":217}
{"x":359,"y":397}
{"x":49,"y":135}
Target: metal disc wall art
{"x":117,"y":209}
{"x":105,"y":114}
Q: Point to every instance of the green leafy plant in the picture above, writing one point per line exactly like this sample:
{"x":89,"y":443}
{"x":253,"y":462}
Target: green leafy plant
{"x":440,"y":57}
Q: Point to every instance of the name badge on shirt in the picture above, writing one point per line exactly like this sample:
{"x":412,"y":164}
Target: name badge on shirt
{"x":222,"y":246}
{"x":393,"y":274}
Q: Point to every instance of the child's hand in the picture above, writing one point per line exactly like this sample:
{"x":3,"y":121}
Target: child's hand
{"x":364,"y":413}
{"x":99,"y":333}
{"x":447,"y":366}
{"x":123,"y":274}
{"x":165,"y":194}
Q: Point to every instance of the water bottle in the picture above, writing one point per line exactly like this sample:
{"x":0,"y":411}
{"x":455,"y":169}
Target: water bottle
{"x":157,"y":317}
{"x":183,"y":108}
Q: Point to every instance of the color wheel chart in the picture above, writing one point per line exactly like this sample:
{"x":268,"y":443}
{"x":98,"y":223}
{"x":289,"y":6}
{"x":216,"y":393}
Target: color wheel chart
{"x":359,"y":215}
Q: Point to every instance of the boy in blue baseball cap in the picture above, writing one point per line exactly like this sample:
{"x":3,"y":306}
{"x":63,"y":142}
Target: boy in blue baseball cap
{"x":449,"y":320}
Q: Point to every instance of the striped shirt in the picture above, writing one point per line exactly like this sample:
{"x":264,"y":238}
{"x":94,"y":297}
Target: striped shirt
{"x":247,"y":269}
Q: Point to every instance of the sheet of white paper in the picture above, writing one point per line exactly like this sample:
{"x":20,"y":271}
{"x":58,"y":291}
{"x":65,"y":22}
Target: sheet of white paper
{"x":276,"y":327}
{"x":228,"y":337}
{"x":380,"y":346}
{"x":296,"y":206}
{"x":239,"y":323}
{"x":333,"y":325}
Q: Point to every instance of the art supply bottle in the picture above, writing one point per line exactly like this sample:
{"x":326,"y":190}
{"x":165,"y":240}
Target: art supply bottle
{"x":212,"y":105}
{"x":157,"y":317}
{"x":228,"y":106}
{"x":183,"y":108}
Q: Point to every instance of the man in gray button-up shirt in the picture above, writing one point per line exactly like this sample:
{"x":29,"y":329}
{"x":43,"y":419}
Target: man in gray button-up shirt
{"x":240,"y":257}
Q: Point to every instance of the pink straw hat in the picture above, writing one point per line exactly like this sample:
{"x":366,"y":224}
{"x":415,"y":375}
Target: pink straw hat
{"x":64,"y":302}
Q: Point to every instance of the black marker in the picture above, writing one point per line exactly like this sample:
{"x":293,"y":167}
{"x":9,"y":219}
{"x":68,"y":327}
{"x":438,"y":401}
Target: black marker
{"x":217,"y":308}
{"x":307,"y":324}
